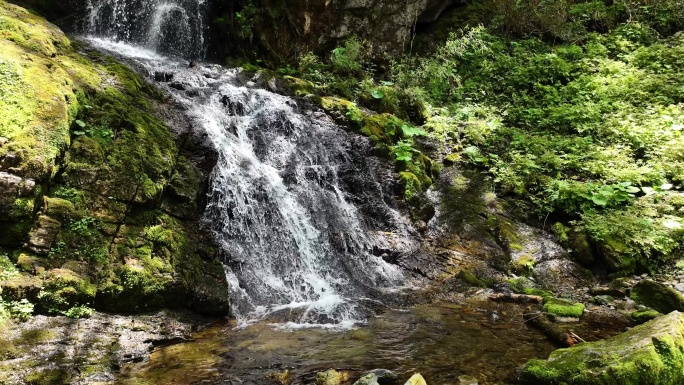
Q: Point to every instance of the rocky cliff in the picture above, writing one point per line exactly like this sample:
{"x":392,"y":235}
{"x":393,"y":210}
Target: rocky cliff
{"x":285,"y":30}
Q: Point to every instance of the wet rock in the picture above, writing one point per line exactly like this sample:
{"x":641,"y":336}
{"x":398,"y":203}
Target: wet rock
{"x":609,"y":291}
{"x":162,"y":76}
{"x":234,"y":107}
{"x":375,"y":377}
{"x":102,"y":343}
{"x":332,"y":377}
{"x":563,"y":275}
{"x":657,"y":296}
{"x":43,"y":235}
{"x":603,"y":299}
{"x":368,"y":379}
{"x":679,"y":287}
{"x":386,"y":24}
{"x":177,"y":86}
{"x":13,"y":187}
{"x":416,"y":379}
{"x":282,"y":378}
{"x":652,"y":353}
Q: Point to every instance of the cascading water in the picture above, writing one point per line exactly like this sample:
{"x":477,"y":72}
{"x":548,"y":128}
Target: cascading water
{"x":296,"y":249}
{"x":171,"y":27}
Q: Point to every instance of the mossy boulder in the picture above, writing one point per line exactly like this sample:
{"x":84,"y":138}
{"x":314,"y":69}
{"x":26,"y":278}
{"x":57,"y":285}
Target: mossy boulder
{"x":657,"y":296}
{"x":563,"y":308}
{"x":64,"y":289}
{"x":652,"y":353}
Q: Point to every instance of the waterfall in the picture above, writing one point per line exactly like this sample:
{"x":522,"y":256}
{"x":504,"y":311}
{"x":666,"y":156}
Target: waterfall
{"x":295,"y":201}
{"x":170,"y":27}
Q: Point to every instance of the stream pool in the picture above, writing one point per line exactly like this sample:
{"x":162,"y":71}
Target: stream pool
{"x":442,"y":341}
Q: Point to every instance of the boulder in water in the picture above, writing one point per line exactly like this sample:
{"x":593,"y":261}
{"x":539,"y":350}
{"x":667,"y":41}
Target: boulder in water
{"x":652,"y":353}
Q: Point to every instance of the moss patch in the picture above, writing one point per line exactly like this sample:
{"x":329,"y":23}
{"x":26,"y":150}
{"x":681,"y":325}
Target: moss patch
{"x":642,"y":316}
{"x":563,"y":308}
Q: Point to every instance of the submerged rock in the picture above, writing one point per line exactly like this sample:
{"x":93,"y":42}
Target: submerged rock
{"x":652,"y":353}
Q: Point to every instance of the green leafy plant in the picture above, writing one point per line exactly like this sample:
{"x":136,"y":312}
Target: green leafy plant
{"x":403,"y":151}
{"x":612,"y":194}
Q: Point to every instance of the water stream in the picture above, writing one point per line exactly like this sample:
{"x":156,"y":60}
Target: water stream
{"x":297,"y":249}
{"x":300,"y":210}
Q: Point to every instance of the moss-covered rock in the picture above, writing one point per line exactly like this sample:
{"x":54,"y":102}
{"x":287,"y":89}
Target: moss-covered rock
{"x":64,"y":289}
{"x":657,"y":296}
{"x":332,"y":377}
{"x":641,"y":316}
{"x":563,"y":308}
{"x":94,"y":184}
{"x":652,"y":353}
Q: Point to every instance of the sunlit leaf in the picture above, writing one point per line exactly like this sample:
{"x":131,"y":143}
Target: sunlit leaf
{"x":599,"y":200}
{"x":411,"y":131}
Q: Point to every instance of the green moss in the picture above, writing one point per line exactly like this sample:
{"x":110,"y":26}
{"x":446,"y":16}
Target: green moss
{"x":472,"y":279}
{"x":7,"y":349}
{"x":48,"y":377}
{"x":344,"y":111}
{"x":563,"y":308}
{"x":524,"y":263}
{"x":523,"y":285}
{"x":23,"y":208}
{"x":60,"y":209}
{"x":299,"y":87}
{"x":34,"y":336}
{"x":452,"y":158}
{"x":382,"y":128}
{"x":411,"y":183}
{"x":641,"y":316}
{"x":108,"y":175}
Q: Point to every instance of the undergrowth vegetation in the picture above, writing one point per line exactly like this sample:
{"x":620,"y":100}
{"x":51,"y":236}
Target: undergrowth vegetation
{"x":574,"y":106}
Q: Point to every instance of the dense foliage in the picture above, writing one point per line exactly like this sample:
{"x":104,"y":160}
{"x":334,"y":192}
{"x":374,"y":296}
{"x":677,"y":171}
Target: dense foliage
{"x":575,"y":106}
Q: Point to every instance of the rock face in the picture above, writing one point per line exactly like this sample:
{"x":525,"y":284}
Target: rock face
{"x":289,"y":29}
{"x":85,"y":351}
{"x":101,"y":186}
{"x":652,"y":353}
